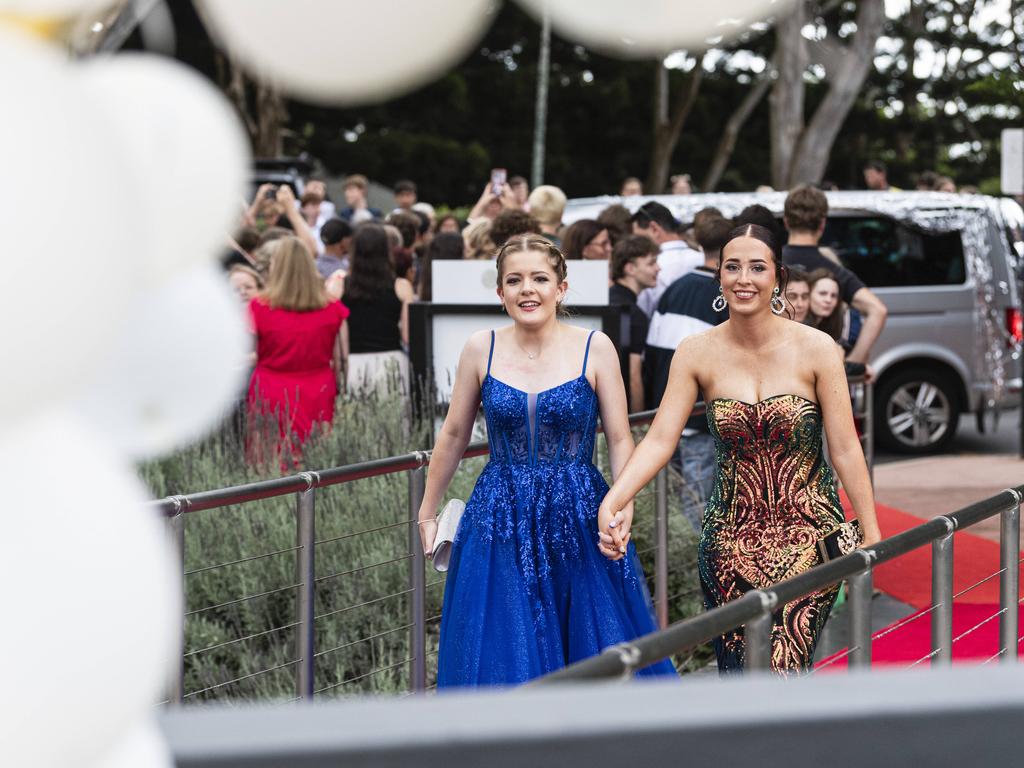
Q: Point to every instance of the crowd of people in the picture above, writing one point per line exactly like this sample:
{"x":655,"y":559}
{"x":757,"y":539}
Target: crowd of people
{"x":376,"y":264}
{"x":712,"y":309}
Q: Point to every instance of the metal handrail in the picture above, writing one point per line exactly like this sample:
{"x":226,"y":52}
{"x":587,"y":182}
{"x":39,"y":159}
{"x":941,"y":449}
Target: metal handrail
{"x":754,"y":609}
{"x":304,"y":485}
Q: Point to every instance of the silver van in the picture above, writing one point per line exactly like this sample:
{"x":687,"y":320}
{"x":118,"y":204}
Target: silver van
{"x":946,"y":266}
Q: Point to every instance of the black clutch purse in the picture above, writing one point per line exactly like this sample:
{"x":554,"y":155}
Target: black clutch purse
{"x":842,"y":541}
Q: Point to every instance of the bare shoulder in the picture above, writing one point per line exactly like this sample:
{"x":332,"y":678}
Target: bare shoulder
{"x":600,"y":343}
{"x":817,"y":344}
{"x":697,"y":346}
{"x":480,"y":341}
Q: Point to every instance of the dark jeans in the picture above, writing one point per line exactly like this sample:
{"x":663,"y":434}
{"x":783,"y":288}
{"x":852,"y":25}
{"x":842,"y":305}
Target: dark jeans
{"x":695,"y":461}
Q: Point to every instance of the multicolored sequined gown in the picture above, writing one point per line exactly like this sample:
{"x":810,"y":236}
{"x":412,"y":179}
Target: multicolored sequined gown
{"x":774,"y":496}
{"x":527,"y":591}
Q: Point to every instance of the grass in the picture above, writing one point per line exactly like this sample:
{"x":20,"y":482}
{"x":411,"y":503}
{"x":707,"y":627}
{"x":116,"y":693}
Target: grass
{"x":240,"y":561}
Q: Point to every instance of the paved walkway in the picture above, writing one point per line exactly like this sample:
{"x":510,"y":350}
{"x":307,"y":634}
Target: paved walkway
{"x":936,"y":485}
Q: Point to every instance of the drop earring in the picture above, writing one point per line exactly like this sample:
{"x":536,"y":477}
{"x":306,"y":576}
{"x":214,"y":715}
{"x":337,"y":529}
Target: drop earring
{"x":778,"y":304}
{"x":719,"y":303}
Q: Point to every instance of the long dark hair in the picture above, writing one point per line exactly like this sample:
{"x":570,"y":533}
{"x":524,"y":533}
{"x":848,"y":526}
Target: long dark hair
{"x":446,"y":246}
{"x":831,"y":324}
{"x":372,"y":275}
{"x":578,"y":235}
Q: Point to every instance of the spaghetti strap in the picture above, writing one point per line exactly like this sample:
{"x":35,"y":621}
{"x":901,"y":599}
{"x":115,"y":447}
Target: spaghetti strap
{"x":490,"y":354}
{"x":586,"y":353}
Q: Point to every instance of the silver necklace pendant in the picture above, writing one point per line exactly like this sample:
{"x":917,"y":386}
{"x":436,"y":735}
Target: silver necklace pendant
{"x":529,"y":355}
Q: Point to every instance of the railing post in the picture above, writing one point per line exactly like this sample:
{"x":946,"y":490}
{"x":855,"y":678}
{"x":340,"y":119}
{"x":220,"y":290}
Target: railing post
{"x":757,"y":635}
{"x":176,"y":533}
{"x":661,"y":547}
{"x":861,"y":587}
{"x":942,"y":597}
{"x":417,"y":584}
{"x":1009,"y":587}
{"x":869,"y":429}
{"x":305,"y":577}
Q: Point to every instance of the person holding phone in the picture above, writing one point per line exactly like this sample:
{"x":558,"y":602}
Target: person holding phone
{"x":497,"y":196}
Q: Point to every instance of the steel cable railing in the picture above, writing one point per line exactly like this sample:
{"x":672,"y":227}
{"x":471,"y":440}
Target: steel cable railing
{"x":754,"y":610}
{"x":313,"y":593}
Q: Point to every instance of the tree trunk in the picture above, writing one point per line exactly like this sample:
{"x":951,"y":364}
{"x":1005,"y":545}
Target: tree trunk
{"x":736,"y":121}
{"x":815,"y":145}
{"x":787,"y":97}
{"x":259,"y":105}
{"x":668,"y":130}
{"x":271,"y":117}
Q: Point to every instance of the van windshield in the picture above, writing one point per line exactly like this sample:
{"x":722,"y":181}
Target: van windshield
{"x":885,"y":253}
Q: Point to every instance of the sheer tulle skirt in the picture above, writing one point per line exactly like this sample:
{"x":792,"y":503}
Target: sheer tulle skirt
{"x":528,"y":591}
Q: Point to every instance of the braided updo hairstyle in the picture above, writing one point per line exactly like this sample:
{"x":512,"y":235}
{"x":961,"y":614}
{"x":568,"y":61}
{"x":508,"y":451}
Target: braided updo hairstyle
{"x":531,"y":242}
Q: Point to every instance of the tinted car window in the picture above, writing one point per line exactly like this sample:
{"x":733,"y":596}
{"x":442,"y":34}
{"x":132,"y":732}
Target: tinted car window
{"x":883,"y":252}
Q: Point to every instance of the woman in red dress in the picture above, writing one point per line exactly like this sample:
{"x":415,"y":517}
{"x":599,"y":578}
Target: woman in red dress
{"x":298,"y":354}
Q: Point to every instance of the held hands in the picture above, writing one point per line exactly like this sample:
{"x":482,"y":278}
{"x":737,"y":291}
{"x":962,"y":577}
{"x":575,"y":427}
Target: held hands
{"x":613,"y":529}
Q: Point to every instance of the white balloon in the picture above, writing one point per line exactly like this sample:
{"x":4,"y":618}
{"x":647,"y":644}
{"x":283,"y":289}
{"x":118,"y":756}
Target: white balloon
{"x":653,"y":27}
{"x":143,"y":746}
{"x":187,"y":149}
{"x":175,"y":370}
{"x":90,"y":596}
{"x":70,"y":206}
{"x":346,"y":53}
{"x":51,"y":8}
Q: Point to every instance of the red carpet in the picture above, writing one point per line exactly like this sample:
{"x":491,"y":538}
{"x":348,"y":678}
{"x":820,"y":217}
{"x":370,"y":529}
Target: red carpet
{"x":908,"y":579}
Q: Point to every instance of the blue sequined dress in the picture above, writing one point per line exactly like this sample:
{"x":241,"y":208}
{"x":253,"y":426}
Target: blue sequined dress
{"x":528,"y":591}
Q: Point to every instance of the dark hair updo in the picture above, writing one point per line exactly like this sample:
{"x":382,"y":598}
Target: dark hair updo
{"x":768,"y":237}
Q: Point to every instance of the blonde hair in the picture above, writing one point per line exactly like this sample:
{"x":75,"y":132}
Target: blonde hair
{"x":547,"y":204}
{"x":477,"y":237}
{"x":293,"y":282}
{"x":247,"y":270}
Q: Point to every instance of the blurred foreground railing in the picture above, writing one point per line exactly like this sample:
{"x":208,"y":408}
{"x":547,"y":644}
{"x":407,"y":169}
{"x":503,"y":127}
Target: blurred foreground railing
{"x":304,"y":487}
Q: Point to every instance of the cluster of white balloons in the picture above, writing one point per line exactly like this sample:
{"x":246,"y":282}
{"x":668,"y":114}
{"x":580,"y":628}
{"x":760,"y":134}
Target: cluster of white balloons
{"x":120,"y":340}
{"x":351,"y":53}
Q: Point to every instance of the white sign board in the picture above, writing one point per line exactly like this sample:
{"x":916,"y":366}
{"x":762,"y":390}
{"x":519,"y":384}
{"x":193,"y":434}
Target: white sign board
{"x":475,"y":282}
{"x":1013,"y":161}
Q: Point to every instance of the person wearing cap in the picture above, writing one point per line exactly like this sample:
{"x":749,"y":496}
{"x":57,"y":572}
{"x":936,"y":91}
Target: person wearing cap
{"x":675,"y":257}
{"x":336,"y":236}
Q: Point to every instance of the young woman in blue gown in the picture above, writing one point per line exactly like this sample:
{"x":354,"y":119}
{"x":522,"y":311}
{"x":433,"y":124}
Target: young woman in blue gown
{"x":531,"y":586}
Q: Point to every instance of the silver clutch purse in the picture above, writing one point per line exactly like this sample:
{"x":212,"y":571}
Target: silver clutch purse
{"x":447,"y":527}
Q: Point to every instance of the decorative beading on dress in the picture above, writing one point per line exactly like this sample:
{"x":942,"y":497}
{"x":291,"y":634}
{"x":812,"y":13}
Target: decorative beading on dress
{"x":774,"y":496}
{"x":528,"y":591}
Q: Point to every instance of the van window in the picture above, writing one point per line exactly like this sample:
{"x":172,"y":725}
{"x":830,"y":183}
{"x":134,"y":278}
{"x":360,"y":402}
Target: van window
{"x":883,"y":252}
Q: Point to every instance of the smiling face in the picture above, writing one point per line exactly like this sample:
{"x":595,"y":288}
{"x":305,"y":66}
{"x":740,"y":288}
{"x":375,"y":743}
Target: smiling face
{"x":798,"y":296}
{"x":599,"y":247}
{"x":824,"y":296}
{"x":529,"y":287}
{"x":747,"y":276}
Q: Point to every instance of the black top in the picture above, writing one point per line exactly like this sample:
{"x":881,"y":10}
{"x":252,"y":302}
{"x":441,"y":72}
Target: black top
{"x":373,"y":324}
{"x":809,"y":258}
{"x":683,"y":310}
{"x":634,"y":340}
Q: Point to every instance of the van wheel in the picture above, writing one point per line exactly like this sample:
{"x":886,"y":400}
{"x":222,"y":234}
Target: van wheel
{"x":916,"y":411}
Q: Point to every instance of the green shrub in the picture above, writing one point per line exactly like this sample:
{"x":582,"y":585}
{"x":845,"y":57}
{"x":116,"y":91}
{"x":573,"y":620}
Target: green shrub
{"x":240,"y":639}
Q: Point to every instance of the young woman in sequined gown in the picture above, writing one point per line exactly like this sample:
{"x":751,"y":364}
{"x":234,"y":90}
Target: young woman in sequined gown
{"x":771,"y":387}
{"x":529,"y":589}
